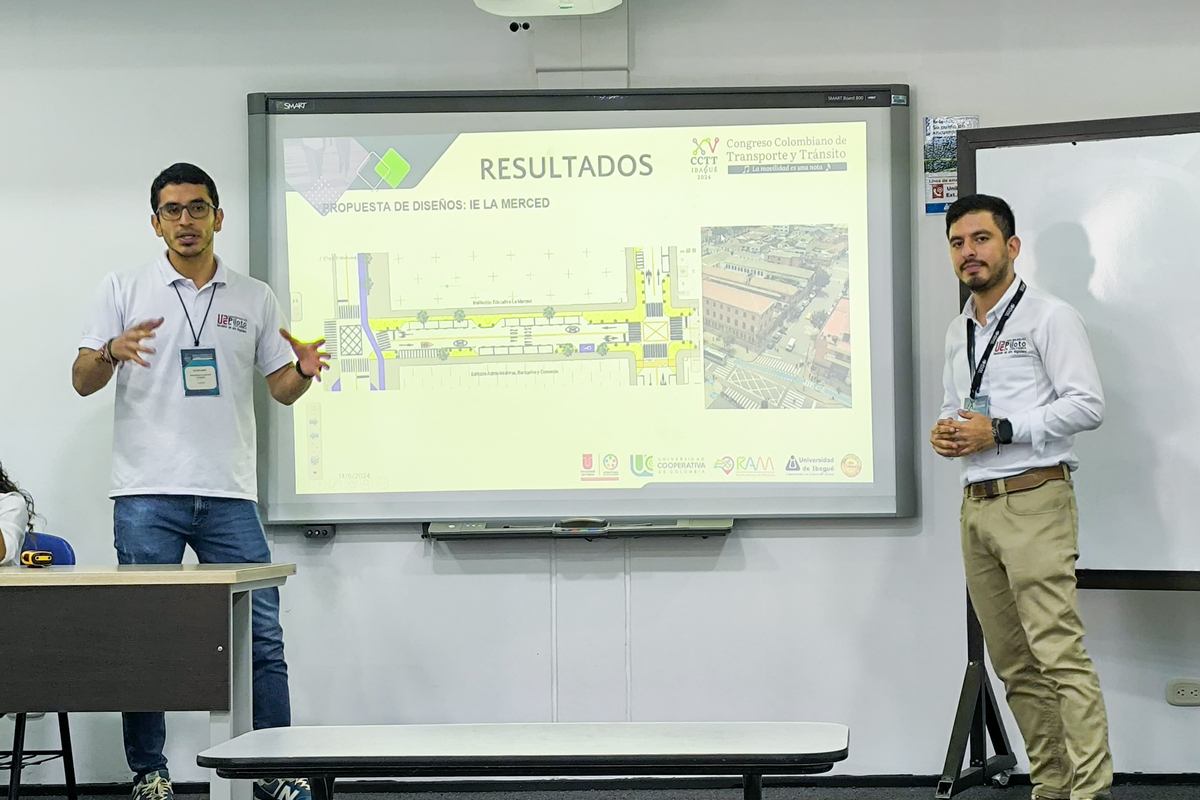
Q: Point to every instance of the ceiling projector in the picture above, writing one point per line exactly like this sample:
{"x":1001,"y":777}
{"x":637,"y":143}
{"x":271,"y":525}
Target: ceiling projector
{"x":546,"y":8}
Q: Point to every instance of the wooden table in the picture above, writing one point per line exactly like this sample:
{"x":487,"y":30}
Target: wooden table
{"x":135,"y":638}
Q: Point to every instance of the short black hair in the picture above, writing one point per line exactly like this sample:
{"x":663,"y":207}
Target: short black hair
{"x":972,"y":203}
{"x":182,"y":173}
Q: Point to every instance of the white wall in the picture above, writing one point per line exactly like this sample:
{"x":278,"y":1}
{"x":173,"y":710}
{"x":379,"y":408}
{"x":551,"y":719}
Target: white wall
{"x":856,"y":622}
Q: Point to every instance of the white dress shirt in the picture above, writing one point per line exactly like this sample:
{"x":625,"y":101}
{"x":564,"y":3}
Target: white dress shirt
{"x":1041,"y":376}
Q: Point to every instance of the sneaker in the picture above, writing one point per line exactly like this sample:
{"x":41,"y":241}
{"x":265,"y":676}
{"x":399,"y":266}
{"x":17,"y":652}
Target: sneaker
{"x":283,"y":789}
{"x":154,"y":786}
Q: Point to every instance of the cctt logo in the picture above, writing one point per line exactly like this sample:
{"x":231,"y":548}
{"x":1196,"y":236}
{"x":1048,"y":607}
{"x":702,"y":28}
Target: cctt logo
{"x":704,"y":151}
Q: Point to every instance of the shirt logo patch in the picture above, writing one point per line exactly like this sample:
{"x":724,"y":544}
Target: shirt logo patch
{"x":1016,"y":346}
{"x":231,"y":323}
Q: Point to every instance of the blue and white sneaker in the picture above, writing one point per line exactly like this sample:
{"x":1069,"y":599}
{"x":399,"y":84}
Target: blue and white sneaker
{"x":282,"y":789}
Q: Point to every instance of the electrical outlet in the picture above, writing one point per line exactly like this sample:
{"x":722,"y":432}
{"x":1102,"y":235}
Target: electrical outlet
{"x":318,"y":531}
{"x":1184,"y":692}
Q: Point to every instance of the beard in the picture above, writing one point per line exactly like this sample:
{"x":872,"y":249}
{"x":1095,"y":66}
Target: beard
{"x":202,"y":243}
{"x":978,"y":283}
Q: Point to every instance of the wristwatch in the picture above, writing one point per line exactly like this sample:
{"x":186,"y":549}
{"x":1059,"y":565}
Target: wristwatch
{"x":1002,"y":430}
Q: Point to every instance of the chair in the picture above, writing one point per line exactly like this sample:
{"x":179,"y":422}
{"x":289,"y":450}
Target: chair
{"x":60,"y":548}
{"x":19,"y":758}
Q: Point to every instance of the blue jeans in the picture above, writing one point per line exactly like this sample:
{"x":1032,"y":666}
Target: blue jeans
{"x":153,"y":529}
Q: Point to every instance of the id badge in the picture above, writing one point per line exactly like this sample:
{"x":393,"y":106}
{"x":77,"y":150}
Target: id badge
{"x":199,"y":372}
{"x":980,"y":404}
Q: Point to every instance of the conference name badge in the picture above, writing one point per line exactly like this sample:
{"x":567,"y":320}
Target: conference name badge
{"x":199,"y":372}
{"x":980,"y":404}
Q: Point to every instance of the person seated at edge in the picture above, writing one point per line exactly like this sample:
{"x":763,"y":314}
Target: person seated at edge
{"x":16,"y":519}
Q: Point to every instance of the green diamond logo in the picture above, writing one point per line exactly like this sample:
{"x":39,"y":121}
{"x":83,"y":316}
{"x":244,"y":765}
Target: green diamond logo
{"x":392,"y":168}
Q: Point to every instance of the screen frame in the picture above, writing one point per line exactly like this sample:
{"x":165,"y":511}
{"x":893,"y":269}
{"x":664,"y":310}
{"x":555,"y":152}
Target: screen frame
{"x":261,"y":107}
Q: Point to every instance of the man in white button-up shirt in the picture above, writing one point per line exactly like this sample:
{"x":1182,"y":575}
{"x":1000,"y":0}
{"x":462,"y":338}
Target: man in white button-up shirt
{"x":1020,"y":382}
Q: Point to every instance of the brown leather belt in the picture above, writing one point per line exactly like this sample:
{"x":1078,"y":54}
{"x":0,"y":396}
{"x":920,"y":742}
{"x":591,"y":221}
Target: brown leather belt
{"x":1022,"y":481}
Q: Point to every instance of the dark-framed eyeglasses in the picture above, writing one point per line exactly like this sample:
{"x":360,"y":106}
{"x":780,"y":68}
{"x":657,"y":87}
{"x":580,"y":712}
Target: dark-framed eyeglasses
{"x":197,"y":209}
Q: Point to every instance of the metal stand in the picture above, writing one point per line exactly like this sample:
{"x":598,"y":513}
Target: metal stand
{"x":976,"y":721}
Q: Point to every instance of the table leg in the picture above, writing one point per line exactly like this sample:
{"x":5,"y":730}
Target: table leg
{"x":322,"y":788}
{"x":752,"y":787}
{"x":18,"y":753}
{"x":223,"y":726}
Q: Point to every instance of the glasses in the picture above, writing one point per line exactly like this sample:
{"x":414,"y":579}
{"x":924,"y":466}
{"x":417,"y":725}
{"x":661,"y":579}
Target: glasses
{"x":197,"y":209}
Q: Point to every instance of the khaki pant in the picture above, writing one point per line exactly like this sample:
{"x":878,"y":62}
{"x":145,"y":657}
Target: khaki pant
{"x":1019,"y":551}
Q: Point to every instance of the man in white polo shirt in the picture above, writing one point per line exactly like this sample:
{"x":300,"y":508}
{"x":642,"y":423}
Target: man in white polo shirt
{"x":1020,"y":382}
{"x":184,"y":335}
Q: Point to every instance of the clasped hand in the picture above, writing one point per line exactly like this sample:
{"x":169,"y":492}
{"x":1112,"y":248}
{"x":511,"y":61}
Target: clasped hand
{"x":953,"y":438}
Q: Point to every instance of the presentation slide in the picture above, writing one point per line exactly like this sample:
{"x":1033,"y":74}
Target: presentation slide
{"x":649,"y":304}
{"x":602,"y":308}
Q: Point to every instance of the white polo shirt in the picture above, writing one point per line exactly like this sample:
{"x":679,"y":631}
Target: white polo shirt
{"x":1041,"y":376}
{"x":164,"y":441}
{"x":14,"y":521}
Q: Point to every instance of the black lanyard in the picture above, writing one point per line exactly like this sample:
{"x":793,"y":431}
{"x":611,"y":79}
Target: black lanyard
{"x":979,"y":368}
{"x":211,"y":297}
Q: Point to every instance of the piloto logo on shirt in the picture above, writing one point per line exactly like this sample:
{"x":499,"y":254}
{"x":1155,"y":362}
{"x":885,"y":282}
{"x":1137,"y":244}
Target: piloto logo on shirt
{"x":1017,"y":346}
{"x":232,"y":323}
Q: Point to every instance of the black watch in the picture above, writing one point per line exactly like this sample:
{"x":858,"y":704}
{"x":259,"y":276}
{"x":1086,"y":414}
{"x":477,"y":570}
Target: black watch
{"x":301,"y":372}
{"x":1002,"y":430}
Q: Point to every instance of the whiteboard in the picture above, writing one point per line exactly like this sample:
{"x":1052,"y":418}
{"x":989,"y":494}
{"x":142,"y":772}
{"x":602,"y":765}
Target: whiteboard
{"x":1106,"y":224}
